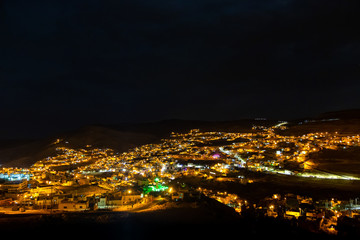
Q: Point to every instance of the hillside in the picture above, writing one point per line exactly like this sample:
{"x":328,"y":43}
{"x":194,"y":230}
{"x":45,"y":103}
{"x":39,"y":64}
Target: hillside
{"x":120,"y":137}
{"x":123,"y":137}
{"x":26,"y":154}
{"x":164,"y":128}
{"x":342,"y":122}
{"x":341,"y":126}
{"x":344,"y":114}
{"x":104,"y":137}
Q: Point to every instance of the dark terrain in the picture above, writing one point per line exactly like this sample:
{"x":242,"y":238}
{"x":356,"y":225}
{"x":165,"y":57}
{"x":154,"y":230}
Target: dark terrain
{"x":122,"y":137}
{"x":24,"y":153}
{"x":342,"y":161}
{"x":207,"y":220}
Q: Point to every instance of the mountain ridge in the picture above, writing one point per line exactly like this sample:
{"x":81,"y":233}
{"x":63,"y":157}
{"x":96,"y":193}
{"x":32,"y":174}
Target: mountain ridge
{"x":124,"y":136}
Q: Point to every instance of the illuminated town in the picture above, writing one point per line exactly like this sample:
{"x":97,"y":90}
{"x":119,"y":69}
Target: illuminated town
{"x":180,"y":168}
{"x":127,"y":119}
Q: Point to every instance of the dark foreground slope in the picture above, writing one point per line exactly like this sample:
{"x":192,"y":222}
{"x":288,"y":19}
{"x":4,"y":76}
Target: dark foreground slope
{"x":208,"y":220}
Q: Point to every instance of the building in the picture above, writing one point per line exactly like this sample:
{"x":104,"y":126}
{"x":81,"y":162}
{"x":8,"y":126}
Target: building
{"x":73,"y":205}
{"x":119,"y":200}
{"x":177,"y":196}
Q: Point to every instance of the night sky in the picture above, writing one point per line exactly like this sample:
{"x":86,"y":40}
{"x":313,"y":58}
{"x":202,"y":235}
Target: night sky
{"x":64,"y":64}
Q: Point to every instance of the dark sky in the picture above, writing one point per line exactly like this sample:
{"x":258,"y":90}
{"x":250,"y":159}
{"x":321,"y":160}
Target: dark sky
{"x":64,"y":64}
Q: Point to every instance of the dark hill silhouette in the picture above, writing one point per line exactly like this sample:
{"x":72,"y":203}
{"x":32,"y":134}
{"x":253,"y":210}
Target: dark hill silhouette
{"x":341,"y":126}
{"x":125,"y":136}
{"x":105,"y":137}
{"x":26,"y":154}
{"x":344,"y":114}
{"x":164,"y":128}
{"x":120,"y":137}
{"x":342,"y":122}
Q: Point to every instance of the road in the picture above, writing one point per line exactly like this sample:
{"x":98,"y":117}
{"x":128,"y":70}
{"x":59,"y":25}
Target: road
{"x":143,"y":207}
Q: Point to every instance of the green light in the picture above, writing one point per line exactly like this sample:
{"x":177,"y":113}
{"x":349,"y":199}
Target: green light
{"x":156,"y":179}
{"x":157,"y":188}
